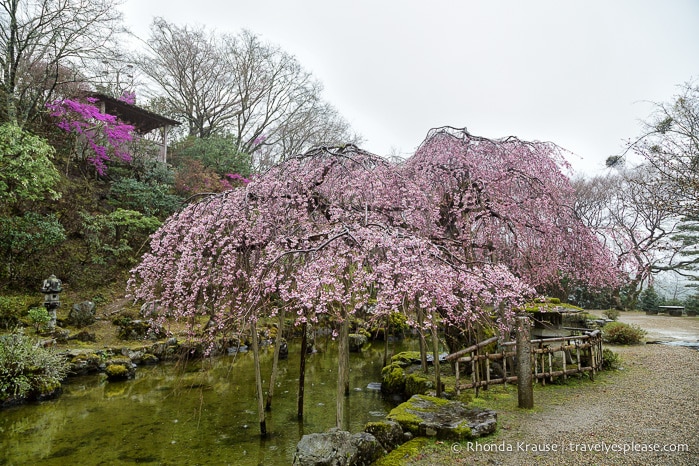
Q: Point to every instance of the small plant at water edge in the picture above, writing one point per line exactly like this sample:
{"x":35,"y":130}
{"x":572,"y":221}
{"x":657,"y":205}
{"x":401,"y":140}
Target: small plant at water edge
{"x":611,"y":314}
{"x":619,"y":333}
{"x":28,"y":371}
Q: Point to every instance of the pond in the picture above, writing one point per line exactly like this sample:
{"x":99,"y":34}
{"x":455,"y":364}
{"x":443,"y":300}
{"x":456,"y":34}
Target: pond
{"x":202,"y":412}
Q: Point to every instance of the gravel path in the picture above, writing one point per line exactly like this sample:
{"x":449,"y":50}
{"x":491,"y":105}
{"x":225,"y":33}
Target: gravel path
{"x":652,"y":403}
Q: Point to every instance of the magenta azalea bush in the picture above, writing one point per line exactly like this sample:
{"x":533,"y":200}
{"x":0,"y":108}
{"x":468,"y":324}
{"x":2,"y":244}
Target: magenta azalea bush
{"x":104,"y":134}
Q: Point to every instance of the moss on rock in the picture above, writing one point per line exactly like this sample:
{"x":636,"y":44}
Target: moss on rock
{"x":119,"y":369}
{"x":393,"y":379}
{"x":436,"y":417}
{"x":418,"y":384}
{"x":406,"y":358}
{"x":403,"y":453}
{"x":388,"y":433}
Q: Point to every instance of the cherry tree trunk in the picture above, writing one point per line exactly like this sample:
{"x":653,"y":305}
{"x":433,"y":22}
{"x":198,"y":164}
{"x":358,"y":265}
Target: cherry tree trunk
{"x":302,"y":371}
{"x":258,"y":380}
{"x":423,"y":344}
{"x":435,"y":352}
{"x":343,"y":370}
{"x":385,"y":341}
{"x":275,"y":362}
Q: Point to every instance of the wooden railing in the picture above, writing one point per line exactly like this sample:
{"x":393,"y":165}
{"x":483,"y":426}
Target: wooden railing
{"x":580,"y":353}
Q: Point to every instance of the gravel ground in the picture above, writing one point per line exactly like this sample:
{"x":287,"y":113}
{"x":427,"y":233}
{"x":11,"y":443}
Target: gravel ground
{"x":651,"y":403}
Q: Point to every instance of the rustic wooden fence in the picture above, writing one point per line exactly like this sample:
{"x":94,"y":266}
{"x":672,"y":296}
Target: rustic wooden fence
{"x":552,"y":357}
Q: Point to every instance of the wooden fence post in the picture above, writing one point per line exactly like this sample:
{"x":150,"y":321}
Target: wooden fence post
{"x":525,"y":389}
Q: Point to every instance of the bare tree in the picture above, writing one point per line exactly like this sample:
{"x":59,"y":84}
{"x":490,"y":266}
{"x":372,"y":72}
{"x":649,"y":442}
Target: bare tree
{"x":193,"y":81}
{"x":240,"y":86}
{"x":282,"y":107}
{"x":669,"y":141}
{"x":317,"y":124}
{"x":44,"y":43}
{"x":632,"y":211}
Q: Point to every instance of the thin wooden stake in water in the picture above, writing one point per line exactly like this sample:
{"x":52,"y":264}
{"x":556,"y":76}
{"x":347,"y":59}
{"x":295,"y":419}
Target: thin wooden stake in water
{"x":275,"y":363}
{"x":258,"y":381}
{"x":344,"y":337}
{"x":342,"y":371}
{"x":385,"y":343}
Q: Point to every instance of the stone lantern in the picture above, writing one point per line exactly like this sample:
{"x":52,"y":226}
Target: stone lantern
{"x":51,"y":288}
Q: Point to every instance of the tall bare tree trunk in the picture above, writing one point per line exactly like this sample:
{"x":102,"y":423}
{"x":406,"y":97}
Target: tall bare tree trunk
{"x":302,"y":372}
{"x":258,"y":380}
{"x":275,"y":363}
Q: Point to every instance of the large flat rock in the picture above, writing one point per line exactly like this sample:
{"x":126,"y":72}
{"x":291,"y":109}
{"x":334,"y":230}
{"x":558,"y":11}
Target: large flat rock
{"x":337,"y":448}
{"x":436,"y":417}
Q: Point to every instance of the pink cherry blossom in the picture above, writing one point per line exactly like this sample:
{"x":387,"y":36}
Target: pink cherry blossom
{"x":466,"y":226}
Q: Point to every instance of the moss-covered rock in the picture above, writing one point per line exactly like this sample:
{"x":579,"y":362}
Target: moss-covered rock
{"x":403,"y":453}
{"x":388,"y":433}
{"x":119,"y":369}
{"x":406,"y":358}
{"x":357,"y":342}
{"x":393,"y":379}
{"x":436,"y":417}
{"x":48,"y":390}
{"x":84,"y":363}
{"x":133,"y":329}
{"x":149,"y":359}
{"x":337,"y":447}
{"x":418,"y":384}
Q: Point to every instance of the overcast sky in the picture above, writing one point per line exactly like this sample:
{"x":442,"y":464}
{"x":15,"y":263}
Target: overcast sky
{"x":577,"y":73}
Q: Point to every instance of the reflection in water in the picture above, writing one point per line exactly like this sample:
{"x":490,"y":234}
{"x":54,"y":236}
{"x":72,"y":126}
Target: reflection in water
{"x":199,"y":413}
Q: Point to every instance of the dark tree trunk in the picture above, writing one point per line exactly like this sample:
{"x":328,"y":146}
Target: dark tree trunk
{"x":423,"y":344}
{"x":275,"y":363}
{"x":343,"y":371}
{"x":258,"y":381}
{"x":435,"y":352}
{"x":302,"y":372}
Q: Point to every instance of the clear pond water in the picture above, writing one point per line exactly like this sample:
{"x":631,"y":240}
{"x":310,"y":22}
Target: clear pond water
{"x":200,"y":413}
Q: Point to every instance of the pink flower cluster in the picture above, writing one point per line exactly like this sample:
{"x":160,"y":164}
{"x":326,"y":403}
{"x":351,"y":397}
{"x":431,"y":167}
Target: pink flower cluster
{"x":128,"y":97}
{"x":103,"y":134}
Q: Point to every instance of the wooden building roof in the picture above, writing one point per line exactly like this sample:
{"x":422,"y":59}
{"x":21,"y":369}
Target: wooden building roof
{"x":143,"y":120}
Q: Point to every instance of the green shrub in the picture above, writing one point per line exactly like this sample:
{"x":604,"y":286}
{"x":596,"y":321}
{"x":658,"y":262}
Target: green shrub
{"x":28,"y":371}
{"x":39,"y":317}
{"x":398,"y":323}
{"x":114,"y":239}
{"x":619,"y":333}
{"x":649,"y":299}
{"x":692,"y":303}
{"x":612,"y":314}
{"x":610,"y":359}
{"x":14,"y":308}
